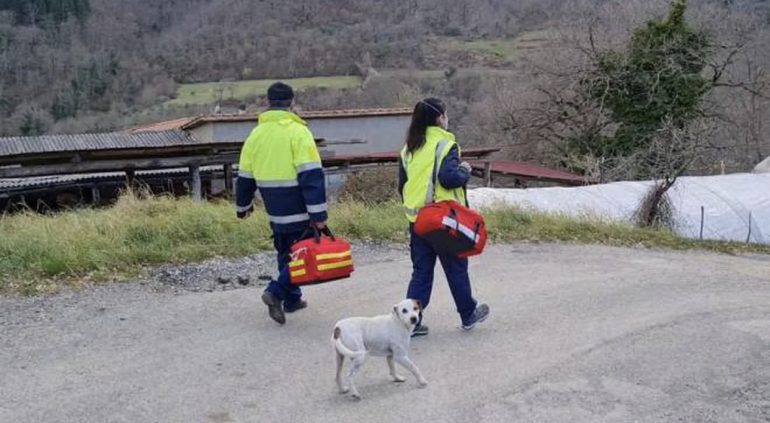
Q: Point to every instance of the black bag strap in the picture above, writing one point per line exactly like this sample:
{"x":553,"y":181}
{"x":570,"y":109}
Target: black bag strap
{"x":316,"y":233}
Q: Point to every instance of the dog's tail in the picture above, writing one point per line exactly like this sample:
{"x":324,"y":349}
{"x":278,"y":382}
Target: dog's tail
{"x":342,"y":349}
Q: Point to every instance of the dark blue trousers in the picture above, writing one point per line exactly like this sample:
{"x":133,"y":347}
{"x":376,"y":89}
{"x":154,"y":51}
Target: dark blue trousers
{"x":455,"y":269}
{"x":282,"y":288}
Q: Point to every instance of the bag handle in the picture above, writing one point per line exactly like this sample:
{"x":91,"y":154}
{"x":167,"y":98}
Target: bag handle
{"x":453,"y":216}
{"x":316,"y":233}
{"x":476,"y":229}
{"x":326,"y":231}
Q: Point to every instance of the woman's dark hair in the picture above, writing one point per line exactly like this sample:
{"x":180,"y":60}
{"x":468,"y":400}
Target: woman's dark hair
{"x":425,"y":114}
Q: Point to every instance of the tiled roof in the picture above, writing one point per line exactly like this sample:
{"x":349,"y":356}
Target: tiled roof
{"x":168,"y":125}
{"x":531,"y":171}
{"x":193,"y":122}
{"x":31,"y":182}
{"x":14,"y":146}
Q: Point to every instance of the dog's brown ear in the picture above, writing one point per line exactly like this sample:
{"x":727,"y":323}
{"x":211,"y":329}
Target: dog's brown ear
{"x":419,"y":304}
{"x":395,"y":309}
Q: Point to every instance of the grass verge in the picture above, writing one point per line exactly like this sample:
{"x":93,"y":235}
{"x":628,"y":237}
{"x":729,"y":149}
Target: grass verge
{"x":43,"y":253}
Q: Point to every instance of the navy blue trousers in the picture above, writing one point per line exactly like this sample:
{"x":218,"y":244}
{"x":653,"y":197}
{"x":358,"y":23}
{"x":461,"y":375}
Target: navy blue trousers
{"x":282,"y":288}
{"x":455,"y":269}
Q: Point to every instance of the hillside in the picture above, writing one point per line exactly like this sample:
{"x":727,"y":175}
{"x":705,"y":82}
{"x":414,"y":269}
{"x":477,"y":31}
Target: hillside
{"x":97,"y":65}
{"x":90,"y":57}
{"x":116,"y":56}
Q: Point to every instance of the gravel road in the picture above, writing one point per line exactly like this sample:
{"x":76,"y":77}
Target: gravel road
{"x":577,"y":334}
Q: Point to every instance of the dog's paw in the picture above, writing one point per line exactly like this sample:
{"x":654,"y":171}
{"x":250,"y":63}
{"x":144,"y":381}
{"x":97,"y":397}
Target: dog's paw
{"x":422,"y":383}
{"x":344,"y":389}
{"x":355,"y":396}
{"x":398,"y":378}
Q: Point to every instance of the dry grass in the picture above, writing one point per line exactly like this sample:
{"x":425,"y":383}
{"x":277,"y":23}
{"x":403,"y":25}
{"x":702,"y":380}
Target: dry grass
{"x":43,"y":253}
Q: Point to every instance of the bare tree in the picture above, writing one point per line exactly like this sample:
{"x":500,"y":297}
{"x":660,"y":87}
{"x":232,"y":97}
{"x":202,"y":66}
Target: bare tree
{"x":669,"y":156}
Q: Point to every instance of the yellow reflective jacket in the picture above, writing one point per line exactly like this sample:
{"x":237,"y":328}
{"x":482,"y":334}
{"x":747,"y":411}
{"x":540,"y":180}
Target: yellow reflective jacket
{"x":422,"y":170}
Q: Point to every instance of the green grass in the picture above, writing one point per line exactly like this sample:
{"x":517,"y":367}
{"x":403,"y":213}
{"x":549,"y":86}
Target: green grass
{"x":412,"y":73}
{"x":501,"y":49}
{"x":507,"y":49}
{"x":208,"y":92}
{"x":43,"y":253}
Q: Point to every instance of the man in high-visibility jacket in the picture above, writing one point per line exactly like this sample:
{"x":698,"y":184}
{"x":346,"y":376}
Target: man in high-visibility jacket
{"x":280,"y":159}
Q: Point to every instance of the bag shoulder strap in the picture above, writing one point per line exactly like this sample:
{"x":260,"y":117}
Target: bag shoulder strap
{"x":431,"y":196}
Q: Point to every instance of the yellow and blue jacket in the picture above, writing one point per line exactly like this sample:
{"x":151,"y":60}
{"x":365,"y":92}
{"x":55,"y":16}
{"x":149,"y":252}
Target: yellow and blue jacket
{"x":280,"y":159}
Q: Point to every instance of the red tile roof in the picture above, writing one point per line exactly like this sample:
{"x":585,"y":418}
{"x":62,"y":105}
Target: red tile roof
{"x":392,"y":157}
{"x":532,"y":172}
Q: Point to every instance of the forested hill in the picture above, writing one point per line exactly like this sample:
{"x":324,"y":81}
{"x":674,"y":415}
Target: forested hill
{"x":65,"y":60}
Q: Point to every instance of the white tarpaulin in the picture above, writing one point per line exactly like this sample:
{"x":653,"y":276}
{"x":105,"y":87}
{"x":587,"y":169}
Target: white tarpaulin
{"x":727,"y":201}
{"x":763,"y":166}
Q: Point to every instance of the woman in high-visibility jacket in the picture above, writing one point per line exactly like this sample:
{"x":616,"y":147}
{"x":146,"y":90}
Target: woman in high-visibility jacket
{"x":430,"y":170}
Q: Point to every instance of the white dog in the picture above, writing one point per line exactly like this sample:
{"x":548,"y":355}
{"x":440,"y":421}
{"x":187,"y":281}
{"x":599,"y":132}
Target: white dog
{"x":385,"y":336}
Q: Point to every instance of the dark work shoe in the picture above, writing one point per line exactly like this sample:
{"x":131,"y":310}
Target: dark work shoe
{"x":420,"y":330}
{"x":297,"y":305}
{"x":274,"y":307}
{"x":479,"y":315}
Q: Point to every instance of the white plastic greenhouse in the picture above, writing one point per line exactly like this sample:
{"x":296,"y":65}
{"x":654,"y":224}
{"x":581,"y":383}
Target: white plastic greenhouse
{"x":763,"y":166}
{"x":736,"y":207}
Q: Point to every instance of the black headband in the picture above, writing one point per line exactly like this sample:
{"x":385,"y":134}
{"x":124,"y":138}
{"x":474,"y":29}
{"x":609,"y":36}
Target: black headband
{"x":432,"y":107}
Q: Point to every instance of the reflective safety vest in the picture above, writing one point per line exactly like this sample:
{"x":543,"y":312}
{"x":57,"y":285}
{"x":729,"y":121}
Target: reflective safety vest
{"x":281,"y":157}
{"x":422,"y":169}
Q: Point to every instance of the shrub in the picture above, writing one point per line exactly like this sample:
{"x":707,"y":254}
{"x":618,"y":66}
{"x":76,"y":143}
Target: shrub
{"x":374,"y":186}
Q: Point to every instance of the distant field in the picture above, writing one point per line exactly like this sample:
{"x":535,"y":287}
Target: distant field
{"x":501,"y":49}
{"x":210,"y":92}
{"x":507,"y":49}
{"x":413,"y":73}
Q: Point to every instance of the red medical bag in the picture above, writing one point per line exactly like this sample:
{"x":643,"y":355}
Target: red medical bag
{"x":322,"y":258}
{"x":451,"y":228}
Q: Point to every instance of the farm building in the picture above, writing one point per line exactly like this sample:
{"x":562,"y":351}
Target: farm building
{"x":197,"y":156}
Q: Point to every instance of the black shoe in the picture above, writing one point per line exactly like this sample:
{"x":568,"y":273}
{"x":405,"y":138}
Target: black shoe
{"x":274,"y":307}
{"x":479,"y":315}
{"x":420,"y":330}
{"x":291,"y":308}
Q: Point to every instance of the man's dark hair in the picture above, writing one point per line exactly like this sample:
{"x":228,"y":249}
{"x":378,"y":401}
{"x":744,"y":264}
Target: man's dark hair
{"x":280,"y":95}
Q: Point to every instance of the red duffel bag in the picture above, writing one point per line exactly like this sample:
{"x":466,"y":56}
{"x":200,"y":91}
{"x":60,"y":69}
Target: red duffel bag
{"x":451,"y":228}
{"x":322,"y":258}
